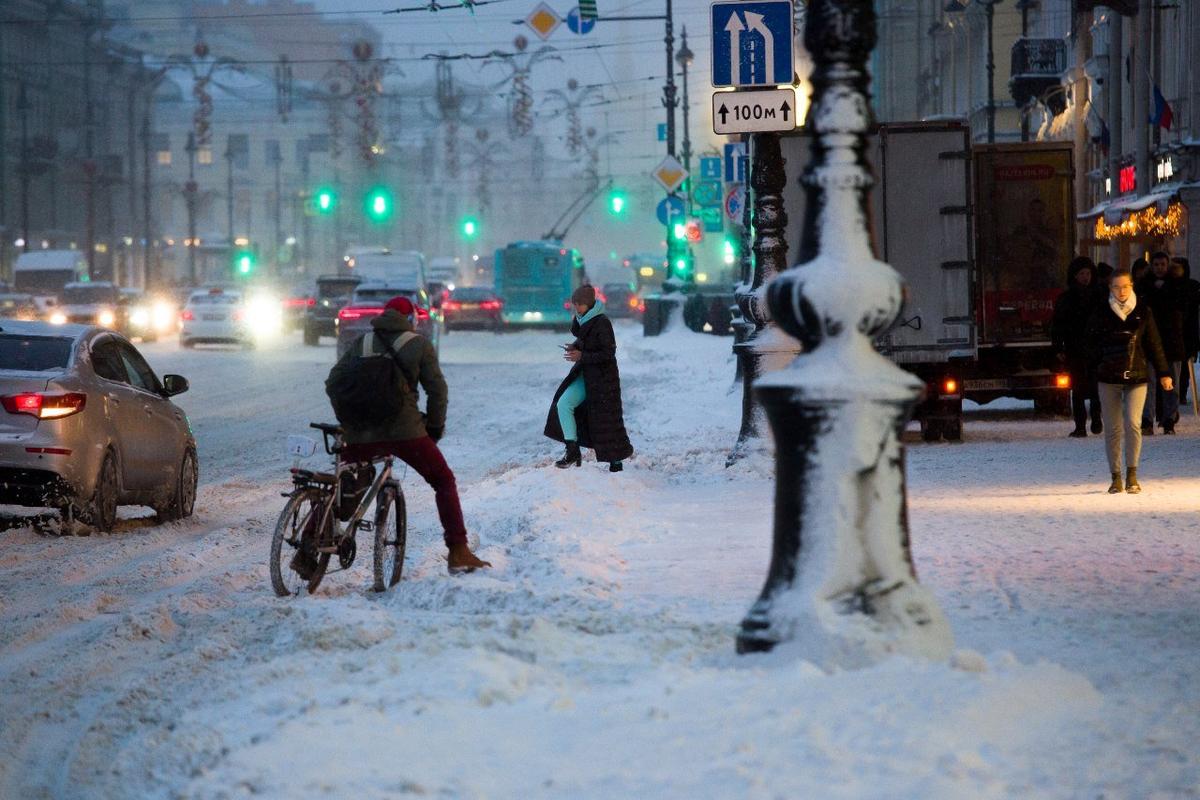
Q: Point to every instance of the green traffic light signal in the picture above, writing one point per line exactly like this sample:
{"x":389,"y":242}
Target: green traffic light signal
{"x":325,"y":200}
{"x":617,"y":201}
{"x":379,"y":205}
{"x":243,"y":262}
{"x":470,"y":227}
{"x":730,"y":251}
{"x":680,"y":231}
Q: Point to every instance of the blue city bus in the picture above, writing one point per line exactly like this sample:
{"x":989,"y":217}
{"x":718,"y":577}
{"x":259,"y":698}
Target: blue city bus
{"x":535,"y":281}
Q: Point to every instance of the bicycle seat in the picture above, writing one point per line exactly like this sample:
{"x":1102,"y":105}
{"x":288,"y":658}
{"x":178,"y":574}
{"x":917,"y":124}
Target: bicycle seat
{"x":315,"y":477}
{"x":326,"y":427}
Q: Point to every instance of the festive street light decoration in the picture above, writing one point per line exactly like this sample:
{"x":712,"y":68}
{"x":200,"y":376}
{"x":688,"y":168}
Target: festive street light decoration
{"x":1147,"y":222}
{"x":841,"y":590}
{"x":520,"y":95}
{"x":570,"y":101}
{"x":202,"y":68}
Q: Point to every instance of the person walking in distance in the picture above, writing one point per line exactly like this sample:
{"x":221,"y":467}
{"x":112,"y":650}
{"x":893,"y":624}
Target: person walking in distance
{"x":409,"y":435}
{"x":1181,"y":271}
{"x":1072,"y":310}
{"x":1122,"y":340}
{"x":586,"y":411}
{"x":1166,"y":297}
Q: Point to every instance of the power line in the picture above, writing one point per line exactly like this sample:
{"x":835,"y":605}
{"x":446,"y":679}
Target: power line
{"x":101,"y":20}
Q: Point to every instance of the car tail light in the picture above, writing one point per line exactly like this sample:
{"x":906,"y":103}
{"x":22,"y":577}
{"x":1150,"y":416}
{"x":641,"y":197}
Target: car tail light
{"x":491,"y":305}
{"x":187,"y":315}
{"x":300,"y":302}
{"x":633,"y":302}
{"x":949,"y":386}
{"x":238,"y":315}
{"x":44,"y":406}
{"x":567,"y":305}
{"x":451,"y":305}
{"x":1062,"y":381}
{"x":353,"y":312}
{"x":422,"y":314}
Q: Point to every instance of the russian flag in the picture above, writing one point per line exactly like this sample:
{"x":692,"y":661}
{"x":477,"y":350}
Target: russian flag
{"x":1162,"y":115}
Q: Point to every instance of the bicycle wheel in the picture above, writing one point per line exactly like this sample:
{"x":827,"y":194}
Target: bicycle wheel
{"x":391,"y":535}
{"x":302,"y":512}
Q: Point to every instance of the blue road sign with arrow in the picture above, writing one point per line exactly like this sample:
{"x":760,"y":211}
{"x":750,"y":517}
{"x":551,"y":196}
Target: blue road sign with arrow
{"x":669,"y":208}
{"x":710,"y":167}
{"x":752,"y":43}
{"x":579,"y":24}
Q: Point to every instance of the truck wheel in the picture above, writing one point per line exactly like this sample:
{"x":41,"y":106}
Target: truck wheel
{"x":952,"y":430}
{"x":931,"y":430}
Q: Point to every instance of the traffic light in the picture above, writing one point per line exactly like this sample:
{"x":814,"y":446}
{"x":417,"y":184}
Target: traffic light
{"x":693,"y":231}
{"x":617,"y":202}
{"x":379,"y":205}
{"x":730,"y":251}
{"x":470,"y":227}
{"x":324,"y":200}
{"x":679,"y":231}
{"x":243,"y":263}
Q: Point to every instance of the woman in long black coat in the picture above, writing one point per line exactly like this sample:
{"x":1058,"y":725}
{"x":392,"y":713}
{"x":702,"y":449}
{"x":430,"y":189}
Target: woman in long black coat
{"x":586,"y":411}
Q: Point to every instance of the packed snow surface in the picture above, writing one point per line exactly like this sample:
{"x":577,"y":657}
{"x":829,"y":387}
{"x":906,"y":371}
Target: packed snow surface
{"x":596,"y":659}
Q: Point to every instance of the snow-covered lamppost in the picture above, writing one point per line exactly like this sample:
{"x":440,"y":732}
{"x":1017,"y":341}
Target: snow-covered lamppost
{"x":841,"y":590}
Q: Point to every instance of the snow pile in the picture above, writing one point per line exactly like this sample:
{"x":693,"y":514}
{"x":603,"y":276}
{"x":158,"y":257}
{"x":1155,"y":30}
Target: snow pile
{"x":596,"y":660}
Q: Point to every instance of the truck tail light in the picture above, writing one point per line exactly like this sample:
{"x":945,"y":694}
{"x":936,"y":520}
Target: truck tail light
{"x":950,"y":386}
{"x":43,"y":405}
{"x":1062,"y":381}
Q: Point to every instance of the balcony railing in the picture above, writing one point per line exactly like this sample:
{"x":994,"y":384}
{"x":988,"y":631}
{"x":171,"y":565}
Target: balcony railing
{"x":1037,"y":65}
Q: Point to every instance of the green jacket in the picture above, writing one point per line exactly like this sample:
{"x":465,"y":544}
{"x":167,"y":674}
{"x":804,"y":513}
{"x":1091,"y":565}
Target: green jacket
{"x":419,"y":364}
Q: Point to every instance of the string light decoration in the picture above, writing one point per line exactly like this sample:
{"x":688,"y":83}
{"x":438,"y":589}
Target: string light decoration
{"x":1147,"y":222}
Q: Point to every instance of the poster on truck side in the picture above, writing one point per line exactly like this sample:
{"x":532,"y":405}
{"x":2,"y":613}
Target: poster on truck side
{"x":1024,"y":224}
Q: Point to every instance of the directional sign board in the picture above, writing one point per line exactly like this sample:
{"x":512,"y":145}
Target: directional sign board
{"x":707,"y":193}
{"x":754,"y":112}
{"x":735,"y":162}
{"x":710,"y":167}
{"x":669,"y":208}
{"x":580,"y":24}
{"x":544,"y":20}
{"x":669,"y":173}
{"x":752,"y":43}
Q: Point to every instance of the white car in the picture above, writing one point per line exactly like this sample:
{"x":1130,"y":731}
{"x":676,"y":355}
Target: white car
{"x":215,"y":316}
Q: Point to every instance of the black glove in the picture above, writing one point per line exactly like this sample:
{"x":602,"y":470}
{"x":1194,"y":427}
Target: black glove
{"x":435,"y":433}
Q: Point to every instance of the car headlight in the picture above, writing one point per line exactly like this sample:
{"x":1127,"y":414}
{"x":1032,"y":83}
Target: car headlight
{"x":163,"y":315}
{"x":264,"y":315}
{"x":140,"y":317}
{"x":58,"y":318}
{"x":105,"y":319}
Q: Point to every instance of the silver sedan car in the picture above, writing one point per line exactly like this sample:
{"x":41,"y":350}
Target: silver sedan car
{"x":86,"y":425}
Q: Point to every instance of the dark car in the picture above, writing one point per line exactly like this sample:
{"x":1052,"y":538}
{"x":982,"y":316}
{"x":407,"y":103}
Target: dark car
{"x":621,"y":301}
{"x":473,"y":307}
{"x":333,"y":293}
{"x":368,"y":301}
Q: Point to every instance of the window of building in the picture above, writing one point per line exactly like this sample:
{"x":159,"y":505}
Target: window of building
{"x":204,"y":156}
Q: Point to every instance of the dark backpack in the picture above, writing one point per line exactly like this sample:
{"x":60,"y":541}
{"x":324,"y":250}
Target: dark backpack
{"x":364,"y":395}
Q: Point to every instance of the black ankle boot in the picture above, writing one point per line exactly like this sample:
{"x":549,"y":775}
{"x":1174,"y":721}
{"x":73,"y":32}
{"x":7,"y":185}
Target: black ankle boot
{"x":572,"y":458}
{"x":615,"y":466}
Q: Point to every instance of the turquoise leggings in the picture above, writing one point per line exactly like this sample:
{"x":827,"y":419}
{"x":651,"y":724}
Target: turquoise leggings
{"x":575,"y":394}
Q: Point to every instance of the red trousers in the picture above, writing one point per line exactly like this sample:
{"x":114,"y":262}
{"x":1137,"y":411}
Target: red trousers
{"x":423,"y":456}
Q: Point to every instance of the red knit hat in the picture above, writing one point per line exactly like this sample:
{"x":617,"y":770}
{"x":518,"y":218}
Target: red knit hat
{"x":401,"y":304}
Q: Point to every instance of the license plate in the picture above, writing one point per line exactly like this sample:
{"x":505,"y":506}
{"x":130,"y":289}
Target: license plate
{"x":470,"y":306}
{"x":212,"y":317}
{"x":983,"y":385}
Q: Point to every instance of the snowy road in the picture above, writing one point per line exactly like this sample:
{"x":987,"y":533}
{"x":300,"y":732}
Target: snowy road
{"x":595,"y":660}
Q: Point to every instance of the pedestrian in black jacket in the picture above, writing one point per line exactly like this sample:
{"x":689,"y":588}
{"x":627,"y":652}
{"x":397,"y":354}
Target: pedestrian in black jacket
{"x":1165,"y":297}
{"x":587,"y":406}
{"x":1123,"y":341}
{"x":1072,"y":311}
{"x":1181,"y":270}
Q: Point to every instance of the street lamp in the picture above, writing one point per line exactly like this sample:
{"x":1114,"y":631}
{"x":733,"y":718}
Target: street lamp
{"x":959,"y":7}
{"x":685,"y":57}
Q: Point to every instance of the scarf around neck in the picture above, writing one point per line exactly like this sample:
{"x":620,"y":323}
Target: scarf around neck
{"x":1122,"y":310}
{"x":592,"y":313}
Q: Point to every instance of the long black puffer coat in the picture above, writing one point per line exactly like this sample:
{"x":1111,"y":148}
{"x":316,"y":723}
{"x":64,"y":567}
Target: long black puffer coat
{"x":600,"y":418}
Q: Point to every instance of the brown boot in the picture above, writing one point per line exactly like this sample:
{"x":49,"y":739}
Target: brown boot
{"x":461,"y":559}
{"x":1131,"y":482}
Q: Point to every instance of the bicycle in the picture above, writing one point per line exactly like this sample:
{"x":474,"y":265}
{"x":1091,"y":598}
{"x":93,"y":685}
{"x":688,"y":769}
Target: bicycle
{"x":326,"y":510}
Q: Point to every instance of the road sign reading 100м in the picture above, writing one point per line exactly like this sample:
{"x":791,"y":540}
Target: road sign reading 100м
{"x":754,"y":112}
{"x":752,"y":43}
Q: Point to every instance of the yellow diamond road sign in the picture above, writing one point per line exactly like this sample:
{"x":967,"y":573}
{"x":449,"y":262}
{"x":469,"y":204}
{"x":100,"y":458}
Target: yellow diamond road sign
{"x":670,"y":173}
{"x":544,"y":20}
